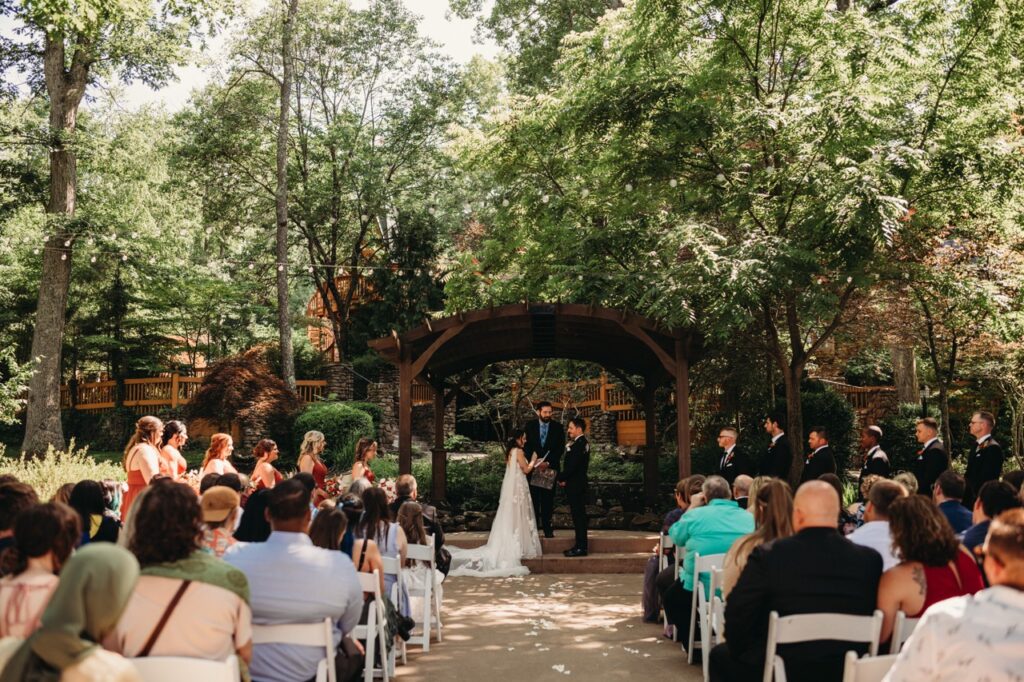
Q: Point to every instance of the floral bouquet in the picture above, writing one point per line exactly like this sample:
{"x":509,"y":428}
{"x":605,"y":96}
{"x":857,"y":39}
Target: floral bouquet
{"x":334,"y":487}
{"x":388,"y":486}
{"x":192,"y":479}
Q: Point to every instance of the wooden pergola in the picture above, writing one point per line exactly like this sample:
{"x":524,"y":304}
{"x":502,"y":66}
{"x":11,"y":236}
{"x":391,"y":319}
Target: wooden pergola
{"x":621,"y":341}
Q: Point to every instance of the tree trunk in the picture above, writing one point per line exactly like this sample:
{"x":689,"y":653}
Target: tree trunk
{"x":794,"y":421}
{"x":947,"y":433}
{"x":65,"y":89}
{"x":284,"y":325}
{"x":904,"y":374}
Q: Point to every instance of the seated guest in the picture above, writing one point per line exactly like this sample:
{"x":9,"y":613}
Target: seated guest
{"x":741,"y":490}
{"x":416,"y":573}
{"x":254,"y":526}
{"x":875,"y":531}
{"x":376,"y":525}
{"x":976,"y":637}
{"x":63,"y":493}
{"x":88,"y":500}
{"x":1015,"y":478}
{"x":710,"y":529}
{"x":328,"y":528}
{"x":773,"y":515}
{"x":292,"y":581}
{"x":847,"y":521}
{"x":406,"y":490}
{"x":947,"y":494}
{"x":816,"y":570}
{"x":220,"y":507}
{"x":654,"y":582}
{"x":208,"y":481}
{"x":95,"y":585}
{"x":933,"y":565}
{"x":908,"y":480}
{"x":352,"y":506}
{"x":210,"y":618}
{"x":358,"y":487}
{"x":45,"y":535}
{"x":994,"y":498}
{"x":15,"y":497}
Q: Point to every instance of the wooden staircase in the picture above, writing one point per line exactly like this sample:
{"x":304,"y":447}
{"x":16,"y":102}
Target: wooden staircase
{"x":611,"y":551}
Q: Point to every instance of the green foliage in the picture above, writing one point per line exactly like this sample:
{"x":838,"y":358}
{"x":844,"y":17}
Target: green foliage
{"x":831,"y":410}
{"x":898,"y":439}
{"x":457,"y":443}
{"x":870,"y":367}
{"x":57,"y":467}
{"x":13,"y":382}
{"x":372,"y":409}
{"x":341,"y":424}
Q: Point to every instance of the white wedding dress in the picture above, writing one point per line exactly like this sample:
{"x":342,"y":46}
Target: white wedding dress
{"x":513,"y":534}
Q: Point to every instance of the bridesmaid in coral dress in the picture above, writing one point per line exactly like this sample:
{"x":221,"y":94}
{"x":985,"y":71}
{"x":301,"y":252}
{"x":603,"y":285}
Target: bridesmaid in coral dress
{"x":313,"y":443}
{"x":172,"y":463}
{"x":366,"y":450}
{"x":264,"y":474}
{"x":141,"y":459}
{"x":216,"y":459}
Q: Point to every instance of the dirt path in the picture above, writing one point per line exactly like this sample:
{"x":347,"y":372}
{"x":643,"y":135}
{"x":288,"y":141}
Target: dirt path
{"x":548,"y":627}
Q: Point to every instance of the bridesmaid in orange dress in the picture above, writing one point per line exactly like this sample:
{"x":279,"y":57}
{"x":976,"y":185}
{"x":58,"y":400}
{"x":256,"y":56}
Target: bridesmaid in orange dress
{"x":313,"y":443}
{"x":172,"y":463}
{"x":141,"y":459}
{"x":216,"y":460}
{"x":264,"y":474}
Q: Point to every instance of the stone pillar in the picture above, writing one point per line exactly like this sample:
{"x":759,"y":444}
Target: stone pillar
{"x":602,"y":428}
{"x":449,"y":418}
{"x":340,"y":381}
{"x":384,"y":394}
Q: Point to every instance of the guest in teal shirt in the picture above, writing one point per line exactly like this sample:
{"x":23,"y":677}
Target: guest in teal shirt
{"x":710,"y":529}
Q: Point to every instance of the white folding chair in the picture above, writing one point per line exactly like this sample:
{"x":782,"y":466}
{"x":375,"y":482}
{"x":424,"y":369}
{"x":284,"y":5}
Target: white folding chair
{"x":664,"y":544}
{"x":867,"y":669}
{"x":676,"y":566}
{"x":431,"y":601}
{"x":372,"y":632}
{"x":901,"y":631}
{"x":811,"y":627}
{"x":177,"y":668}
{"x":708,"y":635}
{"x":320,"y":634}
{"x":393,"y":567}
{"x":701,"y":564}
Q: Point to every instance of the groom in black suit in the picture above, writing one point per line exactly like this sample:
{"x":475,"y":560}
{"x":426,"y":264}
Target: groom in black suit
{"x":545,"y":437}
{"x":573,"y":478}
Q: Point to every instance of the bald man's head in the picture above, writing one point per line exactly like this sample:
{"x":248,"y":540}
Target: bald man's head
{"x":816,"y":505}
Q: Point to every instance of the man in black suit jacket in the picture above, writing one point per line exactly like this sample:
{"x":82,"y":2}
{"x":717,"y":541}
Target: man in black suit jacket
{"x":815,"y":571}
{"x":986,"y":459}
{"x":573,"y":478}
{"x":733,"y":462}
{"x":875,"y":460}
{"x":932,"y":459}
{"x":780,"y":457}
{"x":821,"y":460}
{"x":545,"y":437}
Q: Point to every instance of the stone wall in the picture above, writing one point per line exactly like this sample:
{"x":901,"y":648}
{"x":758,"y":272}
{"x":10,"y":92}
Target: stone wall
{"x":340,"y":381}
{"x":385,"y":394}
{"x":602,"y":429}
{"x":423,"y":422}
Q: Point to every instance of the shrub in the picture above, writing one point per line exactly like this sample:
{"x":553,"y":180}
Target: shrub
{"x":48,"y":473}
{"x":372,"y":409}
{"x":342,"y":426}
{"x":457,"y":443}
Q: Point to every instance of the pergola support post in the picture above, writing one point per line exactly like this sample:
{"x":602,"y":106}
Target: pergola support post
{"x":439,"y":457}
{"x":682,"y":408}
{"x":405,"y":416}
{"x":651,"y":449}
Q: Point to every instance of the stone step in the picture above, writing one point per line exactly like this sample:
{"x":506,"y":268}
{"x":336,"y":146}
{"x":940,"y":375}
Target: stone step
{"x":618,"y":562}
{"x":600,"y":542}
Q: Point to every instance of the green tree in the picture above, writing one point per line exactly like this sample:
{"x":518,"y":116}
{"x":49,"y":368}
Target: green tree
{"x":735,"y":164}
{"x":65,"y":49}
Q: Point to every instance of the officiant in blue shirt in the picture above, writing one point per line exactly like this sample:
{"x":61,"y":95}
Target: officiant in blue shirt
{"x":545,"y":437}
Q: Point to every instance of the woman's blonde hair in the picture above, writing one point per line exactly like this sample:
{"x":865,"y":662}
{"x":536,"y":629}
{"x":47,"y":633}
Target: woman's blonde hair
{"x":755,"y":486}
{"x":773,"y":514}
{"x":218,"y":444}
{"x":310,"y":442}
{"x":148,"y":429}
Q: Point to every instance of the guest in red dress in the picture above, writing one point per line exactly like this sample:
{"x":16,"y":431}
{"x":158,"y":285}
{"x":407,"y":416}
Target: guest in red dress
{"x":264,"y":475}
{"x":366,"y":450}
{"x":313,"y":443}
{"x":172,"y":463}
{"x":934,"y":566}
{"x":141,"y":459}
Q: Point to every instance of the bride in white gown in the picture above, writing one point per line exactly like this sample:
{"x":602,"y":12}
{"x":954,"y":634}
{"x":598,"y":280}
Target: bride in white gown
{"x":514,"y":532}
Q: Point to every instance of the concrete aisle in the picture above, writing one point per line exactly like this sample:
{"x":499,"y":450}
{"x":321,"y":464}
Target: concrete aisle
{"x":547,"y":627}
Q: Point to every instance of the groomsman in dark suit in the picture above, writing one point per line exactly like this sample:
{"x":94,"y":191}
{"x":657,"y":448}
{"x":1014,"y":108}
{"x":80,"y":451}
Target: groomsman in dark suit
{"x":986,"y":459}
{"x":932,"y":459}
{"x":573,"y":478}
{"x":733,"y":463}
{"x":875,"y":459}
{"x":545,"y":438}
{"x":821,"y":460}
{"x":780,"y":457}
